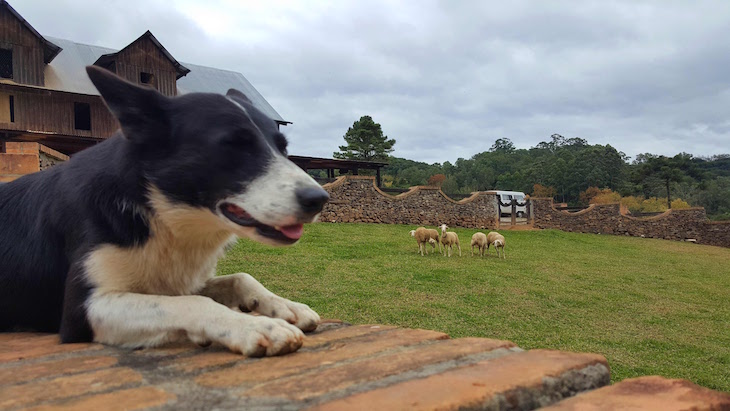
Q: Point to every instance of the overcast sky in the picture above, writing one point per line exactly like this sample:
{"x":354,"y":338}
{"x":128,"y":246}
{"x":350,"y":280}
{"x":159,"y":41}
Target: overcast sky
{"x":448,"y":78}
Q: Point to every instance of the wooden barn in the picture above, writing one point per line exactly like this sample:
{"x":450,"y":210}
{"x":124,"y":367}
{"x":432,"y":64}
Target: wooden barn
{"x":48,"y":106}
{"x":45,"y":96}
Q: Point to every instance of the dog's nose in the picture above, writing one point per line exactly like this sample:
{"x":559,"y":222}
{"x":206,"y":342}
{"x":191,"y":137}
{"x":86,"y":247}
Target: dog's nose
{"x":312,"y":199}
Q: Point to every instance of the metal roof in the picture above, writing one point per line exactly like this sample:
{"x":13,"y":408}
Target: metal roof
{"x":325,"y":163}
{"x":67,"y":73}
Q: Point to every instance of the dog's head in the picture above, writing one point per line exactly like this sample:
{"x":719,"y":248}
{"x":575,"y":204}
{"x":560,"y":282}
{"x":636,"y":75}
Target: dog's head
{"x":215,"y":154}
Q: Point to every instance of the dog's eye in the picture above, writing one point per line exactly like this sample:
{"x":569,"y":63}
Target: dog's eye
{"x":238,"y":139}
{"x":280,"y":142}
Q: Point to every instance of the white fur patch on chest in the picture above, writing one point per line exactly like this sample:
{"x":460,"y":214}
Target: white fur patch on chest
{"x":181,"y":253}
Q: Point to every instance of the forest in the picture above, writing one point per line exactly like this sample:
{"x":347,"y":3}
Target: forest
{"x":574,"y":172}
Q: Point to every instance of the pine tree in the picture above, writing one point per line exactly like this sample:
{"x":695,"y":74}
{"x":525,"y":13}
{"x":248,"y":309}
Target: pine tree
{"x":365,"y":141}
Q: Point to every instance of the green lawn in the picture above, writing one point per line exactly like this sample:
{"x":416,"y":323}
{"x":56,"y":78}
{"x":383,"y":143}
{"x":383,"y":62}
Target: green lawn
{"x":650,"y":306}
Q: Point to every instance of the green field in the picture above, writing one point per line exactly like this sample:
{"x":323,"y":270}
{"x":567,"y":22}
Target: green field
{"x":649,"y":306}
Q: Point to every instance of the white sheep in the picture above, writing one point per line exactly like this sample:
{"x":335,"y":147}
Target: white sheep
{"x":448,"y":239}
{"x":479,"y":240}
{"x":498,"y":240}
{"x":434,"y":238}
{"x":425,"y":236}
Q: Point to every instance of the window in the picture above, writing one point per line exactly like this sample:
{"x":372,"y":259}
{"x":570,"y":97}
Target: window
{"x":7,"y":108}
{"x":82,"y":116}
{"x":6,"y":63}
{"x":147,"y":78}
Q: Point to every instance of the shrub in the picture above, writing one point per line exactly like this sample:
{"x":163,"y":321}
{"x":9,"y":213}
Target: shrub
{"x":587,"y":196}
{"x":679,"y":204}
{"x":606,"y":197}
{"x":539,"y":190}
{"x":653,"y":205}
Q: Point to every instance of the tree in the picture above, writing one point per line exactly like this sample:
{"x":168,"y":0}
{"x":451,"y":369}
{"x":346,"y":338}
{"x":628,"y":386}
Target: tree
{"x":365,"y":141}
{"x":667,"y":169}
{"x":504,"y":145}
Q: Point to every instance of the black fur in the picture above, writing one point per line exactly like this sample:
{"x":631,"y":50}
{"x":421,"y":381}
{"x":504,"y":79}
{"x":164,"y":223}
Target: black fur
{"x":197,"y":149}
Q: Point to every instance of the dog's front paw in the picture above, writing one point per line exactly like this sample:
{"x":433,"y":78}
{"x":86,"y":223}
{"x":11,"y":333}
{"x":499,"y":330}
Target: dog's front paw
{"x":292,"y":312}
{"x":261,"y":336}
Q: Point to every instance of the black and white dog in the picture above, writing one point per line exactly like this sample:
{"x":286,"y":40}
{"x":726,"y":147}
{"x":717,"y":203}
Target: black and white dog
{"x":119,"y":245}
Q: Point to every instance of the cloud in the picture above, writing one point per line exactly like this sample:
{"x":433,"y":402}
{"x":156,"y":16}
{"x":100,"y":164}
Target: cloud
{"x":447,"y":78}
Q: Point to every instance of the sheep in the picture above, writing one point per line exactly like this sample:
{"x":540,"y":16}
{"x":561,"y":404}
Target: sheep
{"x":479,"y":240}
{"x":434,"y":238}
{"x":448,"y":239}
{"x":498,"y":240}
{"x":424,"y":236}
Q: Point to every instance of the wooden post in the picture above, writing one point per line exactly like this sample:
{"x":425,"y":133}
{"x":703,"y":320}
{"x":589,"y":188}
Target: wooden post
{"x":514,"y":211}
{"x":377,"y":176}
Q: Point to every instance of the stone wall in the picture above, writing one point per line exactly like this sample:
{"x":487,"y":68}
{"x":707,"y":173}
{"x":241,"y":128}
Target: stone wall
{"x":678,"y":225}
{"x":357,"y":199}
{"x":49,"y":157}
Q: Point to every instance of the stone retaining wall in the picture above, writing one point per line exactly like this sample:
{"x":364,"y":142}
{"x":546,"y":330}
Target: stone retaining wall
{"x":357,"y":199}
{"x":678,"y":225}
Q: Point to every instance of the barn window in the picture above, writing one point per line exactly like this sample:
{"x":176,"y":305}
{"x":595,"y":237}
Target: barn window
{"x":82,"y":116}
{"x":7,"y":108}
{"x":147,"y":78}
{"x":6,"y":63}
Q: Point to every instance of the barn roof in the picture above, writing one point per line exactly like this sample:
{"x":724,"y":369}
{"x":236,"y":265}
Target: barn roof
{"x":180,"y":69}
{"x":50,"y":50}
{"x":67,"y":73}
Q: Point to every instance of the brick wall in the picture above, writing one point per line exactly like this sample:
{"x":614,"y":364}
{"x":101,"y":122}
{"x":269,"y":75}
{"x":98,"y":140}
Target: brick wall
{"x":18,"y":159}
{"x":340,"y":367}
{"x":675,"y":225}
{"x":357,"y":199}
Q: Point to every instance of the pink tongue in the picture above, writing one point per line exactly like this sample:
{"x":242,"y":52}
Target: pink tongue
{"x":293,"y":231}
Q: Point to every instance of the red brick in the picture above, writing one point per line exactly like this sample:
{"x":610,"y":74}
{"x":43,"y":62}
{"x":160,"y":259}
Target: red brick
{"x":468,"y":387}
{"x":28,"y":372}
{"x":210,"y":359}
{"x":19,"y":163}
{"x":648,"y":393}
{"x":18,"y":147}
{"x":133,"y":399}
{"x":19,"y":336}
{"x":302,"y":387}
{"x":276,"y":367}
{"x":38,"y":346}
{"x":343,"y":333}
{"x":65,"y":387}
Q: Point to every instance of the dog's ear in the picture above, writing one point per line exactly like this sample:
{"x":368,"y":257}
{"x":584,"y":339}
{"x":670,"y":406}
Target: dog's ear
{"x":238,"y":96}
{"x":140,"y":110}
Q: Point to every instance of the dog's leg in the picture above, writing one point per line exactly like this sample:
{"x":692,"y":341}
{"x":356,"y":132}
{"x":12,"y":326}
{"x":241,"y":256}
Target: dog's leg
{"x":142,"y":320}
{"x":243,"y":291}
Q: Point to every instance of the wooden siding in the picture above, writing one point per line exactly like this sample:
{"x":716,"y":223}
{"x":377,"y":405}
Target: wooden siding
{"x":27,"y":49}
{"x":45,"y":111}
{"x":144,"y":56}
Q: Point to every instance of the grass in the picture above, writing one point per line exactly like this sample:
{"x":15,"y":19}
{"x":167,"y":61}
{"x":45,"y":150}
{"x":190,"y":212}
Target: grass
{"x":649,"y":306}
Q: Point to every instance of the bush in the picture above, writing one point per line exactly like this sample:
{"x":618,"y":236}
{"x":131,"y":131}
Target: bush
{"x":631,"y":203}
{"x":679,"y":204}
{"x":654,"y":205}
{"x":539,"y":190}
